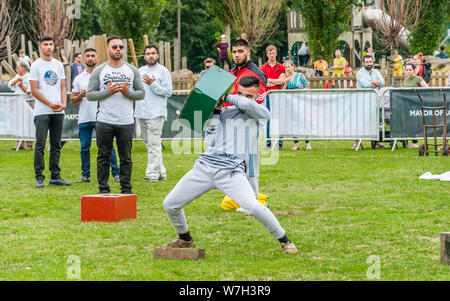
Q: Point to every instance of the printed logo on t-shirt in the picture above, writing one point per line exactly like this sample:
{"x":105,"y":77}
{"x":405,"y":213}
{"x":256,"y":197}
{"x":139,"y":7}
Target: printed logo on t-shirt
{"x":116,"y":77}
{"x":50,"y":78}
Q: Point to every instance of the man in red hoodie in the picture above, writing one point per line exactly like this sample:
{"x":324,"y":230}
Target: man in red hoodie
{"x":244,"y":67}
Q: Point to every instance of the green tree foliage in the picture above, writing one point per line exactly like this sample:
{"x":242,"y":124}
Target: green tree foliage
{"x":200,"y":30}
{"x":431,"y":28}
{"x":130,"y":19}
{"x":324,"y":21}
{"x":89,"y":23}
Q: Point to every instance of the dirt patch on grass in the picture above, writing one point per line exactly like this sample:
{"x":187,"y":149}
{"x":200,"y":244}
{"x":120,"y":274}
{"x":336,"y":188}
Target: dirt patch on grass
{"x":286,"y":213}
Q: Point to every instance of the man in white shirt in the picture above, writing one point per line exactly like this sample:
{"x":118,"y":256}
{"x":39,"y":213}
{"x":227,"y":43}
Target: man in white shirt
{"x":87,"y":116}
{"x":369,"y":78}
{"x":116,"y":85}
{"x":152,"y":111}
{"x":48,"y":86}
{"x":21,"y":85}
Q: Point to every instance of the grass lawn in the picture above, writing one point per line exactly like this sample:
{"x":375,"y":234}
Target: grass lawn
{"x":339,"y":207}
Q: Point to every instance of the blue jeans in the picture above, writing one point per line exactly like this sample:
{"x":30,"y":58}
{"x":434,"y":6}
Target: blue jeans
{"x":85,"y":133}
{"x":269,"y":141}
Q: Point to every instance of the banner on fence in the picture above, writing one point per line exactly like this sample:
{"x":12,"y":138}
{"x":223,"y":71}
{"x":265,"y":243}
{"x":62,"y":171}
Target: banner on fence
{"x":324,"y":114}
{"x":406,"y":114}
{"x":16,"y":119}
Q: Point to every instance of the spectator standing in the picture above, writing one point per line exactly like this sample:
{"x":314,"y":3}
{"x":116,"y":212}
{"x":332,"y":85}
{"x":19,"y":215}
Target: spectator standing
{"x":371,"y":53}
{"x":398,"y":65}
{"x":152,"y":111}
{"x":21,"y":85}
{"x":418,"y":62}
{"x":115,"y":84}
{"x":298,"y":81}
{"x":222,"y":47}
{"x":339,"y":65}
{"x":412,"y":80}
{"x":303,"y":54}
{"x":442,"y":54}
{"x":48,"y":86}
{"x":320,"y":67}
{"x":276,"y":77}
{"x":76,"y":67}
{"x":23,"y":58}
{"x":209,"y":62}
{"x":87,"y":117}
{"x":348,"y":72}
{"x":369,"y":78}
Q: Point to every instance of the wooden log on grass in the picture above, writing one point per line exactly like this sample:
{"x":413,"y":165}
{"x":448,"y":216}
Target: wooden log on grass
{"x":179,"y":253}
{"x":445,"y":248}
{"x":34,"y":55}
{"x":15,"y":58}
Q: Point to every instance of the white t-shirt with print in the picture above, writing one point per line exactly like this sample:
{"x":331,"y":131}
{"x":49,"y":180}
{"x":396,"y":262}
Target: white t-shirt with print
{"x":88,"y":109}
{"x":48,"y":74}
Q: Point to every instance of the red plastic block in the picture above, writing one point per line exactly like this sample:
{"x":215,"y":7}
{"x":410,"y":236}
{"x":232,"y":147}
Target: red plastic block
{"x":108,"y":207}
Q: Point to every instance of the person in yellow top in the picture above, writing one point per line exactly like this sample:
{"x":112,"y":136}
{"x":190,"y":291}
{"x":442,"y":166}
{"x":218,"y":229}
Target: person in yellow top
{"x":398,"y":65}
{"x":320,"y":67}
{"x":339,"y":63}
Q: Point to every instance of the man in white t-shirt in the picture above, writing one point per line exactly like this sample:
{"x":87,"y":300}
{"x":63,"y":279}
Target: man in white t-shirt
{"x":48,"y":86}
{"x":21,"y":85}
{"x":152,"y":111}
{"x":116,"y":85}
{"x":87,"y":116}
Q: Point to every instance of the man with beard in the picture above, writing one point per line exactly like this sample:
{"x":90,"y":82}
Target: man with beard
{"x":245,"y":67}
{"x":369,"y":78}
{"x":152,"y":111}
{"x":115,"y":85}
{"x":87,"y":117}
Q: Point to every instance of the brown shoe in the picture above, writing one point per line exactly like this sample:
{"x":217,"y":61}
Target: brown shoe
{"x":289,"y":248}
{"x":179,"y":243}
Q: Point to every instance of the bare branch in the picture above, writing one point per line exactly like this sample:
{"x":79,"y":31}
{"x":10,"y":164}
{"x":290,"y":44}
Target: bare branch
{"x":256,"y":18}
{"x":8,"y":18}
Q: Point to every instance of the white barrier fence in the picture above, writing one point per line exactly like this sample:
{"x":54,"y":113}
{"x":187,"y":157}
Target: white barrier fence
{"x":16,"y":117}
{"x":344,"y":114}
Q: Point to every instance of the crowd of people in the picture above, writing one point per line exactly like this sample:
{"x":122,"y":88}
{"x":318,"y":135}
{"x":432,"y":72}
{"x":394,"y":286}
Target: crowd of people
{"x":111,"y":96}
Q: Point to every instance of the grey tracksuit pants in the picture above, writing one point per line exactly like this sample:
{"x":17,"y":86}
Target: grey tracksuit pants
{"x":233,"y":182}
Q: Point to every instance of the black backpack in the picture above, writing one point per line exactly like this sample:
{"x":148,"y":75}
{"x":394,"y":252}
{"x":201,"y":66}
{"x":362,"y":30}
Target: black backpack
{"x":427,"y":72}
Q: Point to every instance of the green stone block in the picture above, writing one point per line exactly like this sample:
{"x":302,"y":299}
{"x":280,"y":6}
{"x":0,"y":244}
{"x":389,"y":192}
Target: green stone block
{"x":205,"y":96}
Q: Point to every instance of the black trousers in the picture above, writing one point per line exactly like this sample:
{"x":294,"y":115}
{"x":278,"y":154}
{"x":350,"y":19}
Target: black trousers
{"x":124,"y":138}
{"x":44,"y":124}
{"x":222,"y":62}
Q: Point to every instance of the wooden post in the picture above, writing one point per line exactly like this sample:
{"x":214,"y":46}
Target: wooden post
{"x":179,"y":253}
{"x":8,"y":50}
{"x":104,"y":46}
{"x":30,"y":49}
{"x":259,"y":62}
{"x":133,"y":53}
{"x":34,"y":55}
{"x":161,"y":53}
{"x":15,"y":58}
{"x":8,"y":68}
{"x":125,"y":50}
{"x":176,"y":56}
{"x":167,"y":56}
{"x":145,"y":40}
{"x":183,"y":62}
{"x":445,"y":247}
{"x":22,"y":42}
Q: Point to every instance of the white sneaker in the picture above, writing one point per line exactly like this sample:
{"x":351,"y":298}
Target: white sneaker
{"x":308,"y":146}
{"x":296,"y":147}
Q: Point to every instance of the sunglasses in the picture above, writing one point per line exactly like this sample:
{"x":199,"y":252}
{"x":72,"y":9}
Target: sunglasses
{"x":117,"y":46}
